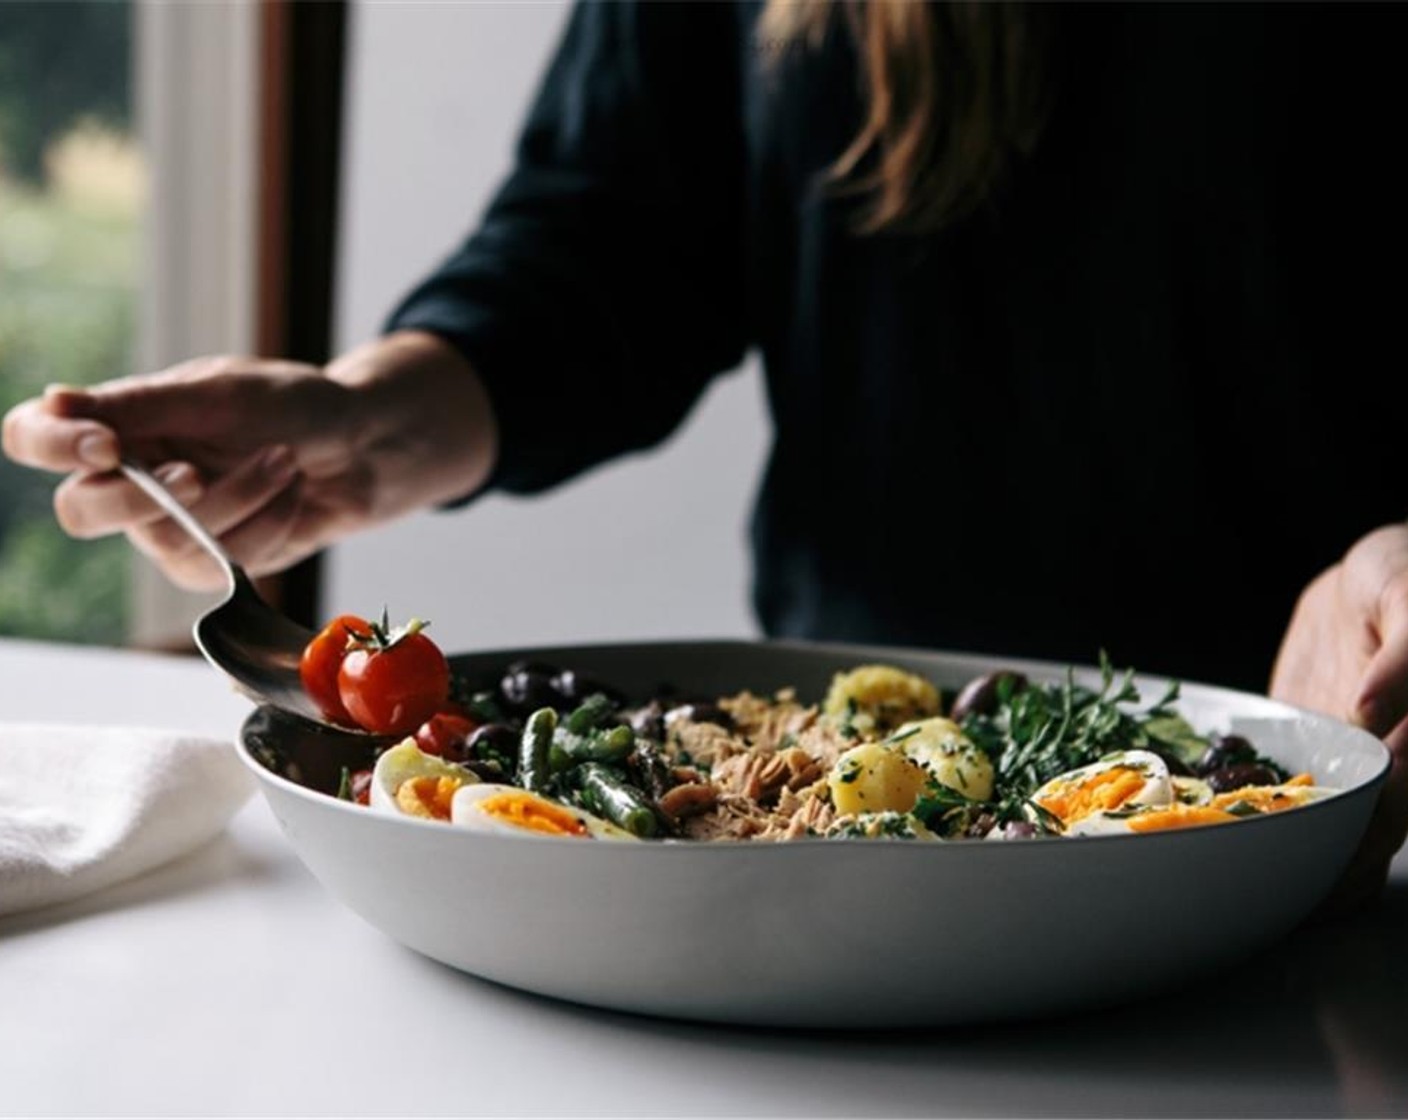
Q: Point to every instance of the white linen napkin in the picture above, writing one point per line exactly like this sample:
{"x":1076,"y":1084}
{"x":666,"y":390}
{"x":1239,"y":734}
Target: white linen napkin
{"x":86,"y":807}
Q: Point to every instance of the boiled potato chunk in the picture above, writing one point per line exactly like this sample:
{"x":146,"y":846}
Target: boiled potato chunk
{"x":872,"y":700}
{"x":948,"y":755}
{"x":875,"y":778}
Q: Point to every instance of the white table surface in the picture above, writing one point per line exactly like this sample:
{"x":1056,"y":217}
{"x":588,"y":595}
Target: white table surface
{"x":230,"y":983}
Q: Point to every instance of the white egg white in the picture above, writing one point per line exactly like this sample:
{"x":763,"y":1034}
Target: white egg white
{"x":1102,"y":824}
{"x":403,"y":762}
{"x":1155,"y":790}
{"x":505,"y":809}
{"x":1296,"y":794}
{"x":1190,"y":791}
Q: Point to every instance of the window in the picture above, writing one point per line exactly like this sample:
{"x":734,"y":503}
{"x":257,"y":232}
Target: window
{"x":72,"y":192}
{"x":127,"y":215}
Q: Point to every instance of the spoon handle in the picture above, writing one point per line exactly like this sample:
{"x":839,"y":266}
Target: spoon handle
{"x":182,"y":516}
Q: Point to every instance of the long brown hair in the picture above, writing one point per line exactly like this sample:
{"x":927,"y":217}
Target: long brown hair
{"x":953,"y":92}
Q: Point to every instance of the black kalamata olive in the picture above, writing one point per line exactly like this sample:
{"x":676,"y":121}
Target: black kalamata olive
{"x":649,"y":722}
{"x":1225,"y":750}
{"x":490,"y":771}
{"x":574,"y":687}
{"x":980,"y":695}
{"x":493,"y":742}
{"x":527,"y":686}
{"x":701,"y":712}
{"x":1239,"y":774}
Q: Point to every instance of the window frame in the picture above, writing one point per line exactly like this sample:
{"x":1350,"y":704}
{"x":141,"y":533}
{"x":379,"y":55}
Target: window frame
{"x":196,"y":85}
{"x":238,"y":111}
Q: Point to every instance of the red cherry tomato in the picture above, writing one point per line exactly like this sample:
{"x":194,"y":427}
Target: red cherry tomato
{"x":321,"y":660}
{"x":445,"y":734}
{"x":394,"y":682}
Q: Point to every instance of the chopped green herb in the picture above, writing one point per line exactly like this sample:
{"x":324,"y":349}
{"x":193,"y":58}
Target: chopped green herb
{"x":887,"y":825}
{"x":1047,"y":729}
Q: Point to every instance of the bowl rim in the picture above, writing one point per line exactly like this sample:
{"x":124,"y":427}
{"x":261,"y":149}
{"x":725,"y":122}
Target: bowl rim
{"x":1036,"y":668}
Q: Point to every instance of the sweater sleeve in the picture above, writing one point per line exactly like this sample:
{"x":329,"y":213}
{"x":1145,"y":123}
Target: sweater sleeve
{"x":603,"y":288}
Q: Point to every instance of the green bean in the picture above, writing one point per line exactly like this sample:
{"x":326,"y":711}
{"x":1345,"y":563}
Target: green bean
{"x":604,"y":793}
{"x":533,"y":748}
{"x":591,"y":714}
{"x":569,"y":750}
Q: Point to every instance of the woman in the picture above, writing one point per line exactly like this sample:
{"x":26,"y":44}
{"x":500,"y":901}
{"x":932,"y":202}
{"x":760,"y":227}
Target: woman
{"x":1068,"y":318}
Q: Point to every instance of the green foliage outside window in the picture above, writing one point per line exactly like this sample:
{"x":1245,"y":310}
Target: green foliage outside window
{"x":70,"y":198}
{"x":61,"y":61}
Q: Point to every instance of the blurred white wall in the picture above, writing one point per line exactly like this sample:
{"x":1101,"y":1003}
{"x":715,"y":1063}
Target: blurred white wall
{"x":650,"y":546}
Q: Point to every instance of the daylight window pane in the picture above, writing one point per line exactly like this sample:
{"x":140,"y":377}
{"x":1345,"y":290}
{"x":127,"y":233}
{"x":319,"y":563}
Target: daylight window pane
{"x":72,"y":187}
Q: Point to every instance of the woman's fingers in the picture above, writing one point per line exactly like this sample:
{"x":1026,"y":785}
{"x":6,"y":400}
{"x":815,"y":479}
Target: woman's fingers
{"x":260,"y":545}
{"x":34,"y":434}
{"x":1346,"y":653}
{"x":1382,"y":701}
{"x":213,"y":401}
{"x":1389,"y":826}
{"x":240,"y":496}
{"x":226,"y":406}
{"x":154,"y":405}
{"x":228,"y":501}
{"x":264,"y":543}
{"x":76,"y":429}
{"x":1363,"y":881}
{"x":96,"y":505}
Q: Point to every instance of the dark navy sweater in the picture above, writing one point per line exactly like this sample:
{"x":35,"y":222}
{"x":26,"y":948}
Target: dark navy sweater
{"x":1135,"y":402}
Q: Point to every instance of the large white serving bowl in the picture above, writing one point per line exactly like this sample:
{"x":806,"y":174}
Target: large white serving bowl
{"x":820,"y":933}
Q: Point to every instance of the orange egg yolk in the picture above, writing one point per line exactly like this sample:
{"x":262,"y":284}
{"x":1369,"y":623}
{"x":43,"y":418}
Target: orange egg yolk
{"x":533,"y":814}
{"x":427,"y":797}
{"x":1178,"y":816}
{"x":1109,"y":789}
{"x":1265,"y":799}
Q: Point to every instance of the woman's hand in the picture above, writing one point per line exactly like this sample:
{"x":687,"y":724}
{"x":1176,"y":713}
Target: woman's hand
{"x":1346,"y":654}
{"x":275,"y":458}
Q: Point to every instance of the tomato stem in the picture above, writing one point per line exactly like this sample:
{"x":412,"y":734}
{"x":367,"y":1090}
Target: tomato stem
{"x":381,"y":637}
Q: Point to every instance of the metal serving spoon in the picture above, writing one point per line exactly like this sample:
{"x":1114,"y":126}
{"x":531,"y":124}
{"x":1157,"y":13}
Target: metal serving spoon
{"x":246,"y":639}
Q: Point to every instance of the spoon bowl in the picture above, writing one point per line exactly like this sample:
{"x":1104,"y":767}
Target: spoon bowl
{"x":255,"y":646}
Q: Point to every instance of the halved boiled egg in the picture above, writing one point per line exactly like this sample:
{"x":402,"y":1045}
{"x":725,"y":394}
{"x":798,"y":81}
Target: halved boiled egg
{"x":1105,"y":796}
{"x":1299,"y":790}
{"x":1236,"y":804}
{"x":407,"y":780}
{"x":491,"y":807}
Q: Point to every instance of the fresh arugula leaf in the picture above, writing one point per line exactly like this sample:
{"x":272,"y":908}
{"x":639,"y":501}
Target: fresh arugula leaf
{"x":1047,"y":729}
